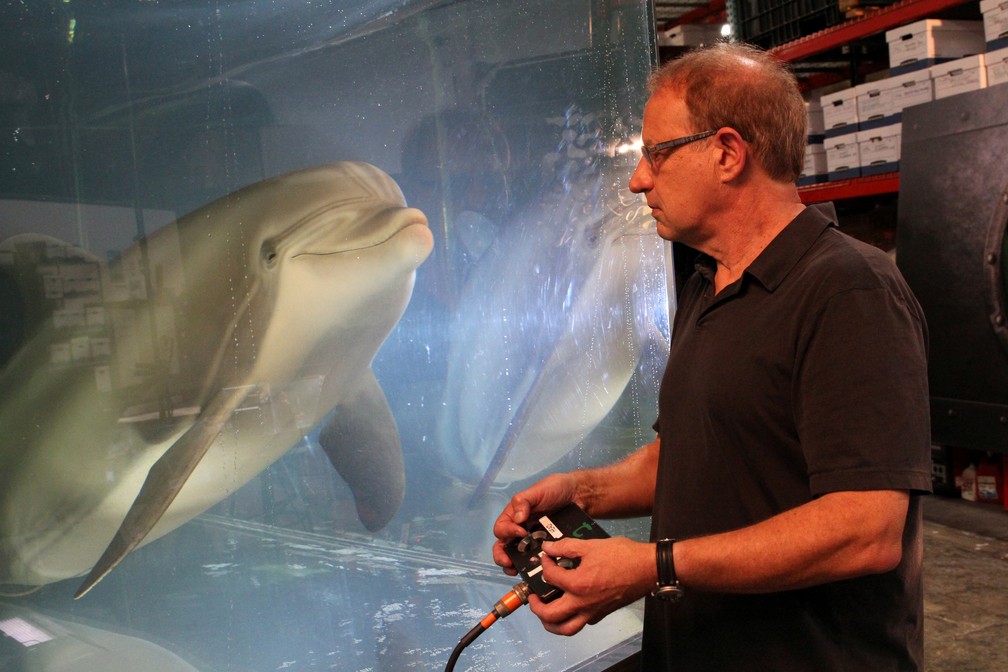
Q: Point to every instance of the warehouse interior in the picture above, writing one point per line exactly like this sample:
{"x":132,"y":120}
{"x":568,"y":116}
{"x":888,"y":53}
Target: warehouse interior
{"x":339,"y":445}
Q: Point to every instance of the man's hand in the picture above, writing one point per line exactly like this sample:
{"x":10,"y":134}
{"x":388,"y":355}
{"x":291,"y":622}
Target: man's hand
{"x":612,"y":573}
{"x":549,"y":494}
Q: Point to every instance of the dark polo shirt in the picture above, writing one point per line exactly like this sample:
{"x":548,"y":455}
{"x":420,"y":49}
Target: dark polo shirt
{"x":806,"y":376}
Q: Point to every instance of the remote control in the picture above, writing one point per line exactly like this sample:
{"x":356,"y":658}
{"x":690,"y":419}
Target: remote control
{"x":526,"y":552}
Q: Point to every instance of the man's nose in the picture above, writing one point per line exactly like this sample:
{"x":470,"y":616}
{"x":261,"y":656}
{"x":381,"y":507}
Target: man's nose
{"x":641,"y":180}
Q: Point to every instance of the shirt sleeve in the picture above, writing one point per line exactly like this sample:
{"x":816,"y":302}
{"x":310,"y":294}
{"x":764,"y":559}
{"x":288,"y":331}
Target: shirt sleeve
{"x":862,"y":407}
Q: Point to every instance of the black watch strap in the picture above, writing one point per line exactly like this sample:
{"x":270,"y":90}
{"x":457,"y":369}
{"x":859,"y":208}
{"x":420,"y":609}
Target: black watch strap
{"x":668,"y":583}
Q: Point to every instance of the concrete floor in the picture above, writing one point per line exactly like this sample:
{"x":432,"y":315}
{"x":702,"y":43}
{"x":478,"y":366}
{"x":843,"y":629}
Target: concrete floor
{"x":965,"y":586}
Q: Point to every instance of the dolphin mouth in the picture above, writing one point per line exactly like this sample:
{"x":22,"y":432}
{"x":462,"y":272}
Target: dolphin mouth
{"x":382,"y":229}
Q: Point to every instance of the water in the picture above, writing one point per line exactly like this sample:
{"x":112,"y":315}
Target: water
{"x":353,"y":432}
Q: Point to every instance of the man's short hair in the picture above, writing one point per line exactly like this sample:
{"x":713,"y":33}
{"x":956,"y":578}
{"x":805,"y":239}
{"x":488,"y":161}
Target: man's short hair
{"x":745,"y":88}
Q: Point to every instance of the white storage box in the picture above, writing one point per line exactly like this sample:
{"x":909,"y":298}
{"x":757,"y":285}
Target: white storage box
{"x":872,"y":102}
{"x":882,"y":102}
{"x":918,"y":45}
{"x":840,"y":115}
{"x":996,"y":63}
{"x":690,"y":35}
{"x":816,"y":125}
{"x":995,"y":19}
{"x":959,"y":76}
{"x":815,"y":169}
{"x":911,"y":89}
{"x":879,"y":149}
{"x":843,"y":158}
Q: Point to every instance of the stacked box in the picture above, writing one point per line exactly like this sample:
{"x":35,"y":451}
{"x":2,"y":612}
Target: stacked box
{"x":843,"y":158}
{"x":995,"y":20}
{"x":913,"y":88}
{"x":816,"y":124}
{"x":924,"y":43}
{"x":882,"y":102}
{"x":840,"y":114}
{"x":879,"y":149}
{"x":942,"y":476}
{"x":959,"y":76}
{"x":873,"y":103}
{"x":690,"y":35}
{"x":815,"y":169}
{"x":996,"y":63}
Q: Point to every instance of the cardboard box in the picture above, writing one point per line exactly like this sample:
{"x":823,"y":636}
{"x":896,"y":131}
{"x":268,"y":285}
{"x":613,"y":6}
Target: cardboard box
{"x":872,"y":102}
{"x":995,"y":20}
{"x":879,"y":149}
{"x":816,"y":124}
{"x":690,"y":35}
{"x":942,"y":477}
{"x":990,"y":479}
{"x":913,"y":88}
{"x":840,"y":115}
{"x":996,"y":63}
{"x":924,"y":43}
{"x":843,"y":158}
{"x":815,"y":169}
{"x":881,"y":103}
{"x":959,"y":76}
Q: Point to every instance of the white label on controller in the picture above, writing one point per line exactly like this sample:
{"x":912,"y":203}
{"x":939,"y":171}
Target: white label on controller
{"x":550,"y":527}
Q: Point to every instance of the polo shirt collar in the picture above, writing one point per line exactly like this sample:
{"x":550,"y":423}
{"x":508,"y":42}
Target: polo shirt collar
{"x":782,"y":254}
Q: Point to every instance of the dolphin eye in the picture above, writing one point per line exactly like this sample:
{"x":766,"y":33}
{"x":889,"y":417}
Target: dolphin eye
{"x":269,"y":254}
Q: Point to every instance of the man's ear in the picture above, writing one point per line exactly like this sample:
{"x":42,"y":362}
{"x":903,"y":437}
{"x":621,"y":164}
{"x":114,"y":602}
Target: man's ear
{"x":734,"y":153}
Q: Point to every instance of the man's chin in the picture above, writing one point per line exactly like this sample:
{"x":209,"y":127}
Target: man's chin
{"x":664,"y":230}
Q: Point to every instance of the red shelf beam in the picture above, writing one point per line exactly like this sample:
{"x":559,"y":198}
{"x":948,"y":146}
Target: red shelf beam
{"x":873,"y":185}
{"x":876,"y":21}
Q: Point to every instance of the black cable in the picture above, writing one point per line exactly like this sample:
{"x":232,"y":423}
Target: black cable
{"x":463,"y":643}
{"x":511,"y":601}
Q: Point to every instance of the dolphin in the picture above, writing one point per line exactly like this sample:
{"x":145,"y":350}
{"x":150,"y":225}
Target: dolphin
{"x":551,"y":327}
{"x":147,"y":389}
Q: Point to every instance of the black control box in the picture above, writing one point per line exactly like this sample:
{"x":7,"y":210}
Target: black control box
{"x":525,"y":552}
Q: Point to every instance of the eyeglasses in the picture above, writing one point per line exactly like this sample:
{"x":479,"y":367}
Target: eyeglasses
{"x":650,"y":151}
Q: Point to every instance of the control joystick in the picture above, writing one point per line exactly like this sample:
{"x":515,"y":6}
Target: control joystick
{"x":531,"y":544}
{"x":526,"y":552}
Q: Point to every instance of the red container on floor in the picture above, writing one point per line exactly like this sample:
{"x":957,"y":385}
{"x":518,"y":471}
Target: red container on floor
{"x":990,"y":480}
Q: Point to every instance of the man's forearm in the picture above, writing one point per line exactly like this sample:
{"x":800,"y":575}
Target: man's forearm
{"x":838,"y":536}
{"x":621,"y":490}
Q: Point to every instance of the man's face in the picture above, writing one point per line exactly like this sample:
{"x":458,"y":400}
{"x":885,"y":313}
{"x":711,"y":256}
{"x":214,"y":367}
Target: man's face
{"x":677,"y":182}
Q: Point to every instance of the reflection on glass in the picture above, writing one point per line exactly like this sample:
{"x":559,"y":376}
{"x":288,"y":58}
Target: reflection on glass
{"x":291,"y":298}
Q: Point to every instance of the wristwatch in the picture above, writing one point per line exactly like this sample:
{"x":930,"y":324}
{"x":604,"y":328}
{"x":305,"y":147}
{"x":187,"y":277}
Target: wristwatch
{"x":668,"y":587}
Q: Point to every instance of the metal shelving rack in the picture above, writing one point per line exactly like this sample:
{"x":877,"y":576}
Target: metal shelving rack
{"x":877,"y":21}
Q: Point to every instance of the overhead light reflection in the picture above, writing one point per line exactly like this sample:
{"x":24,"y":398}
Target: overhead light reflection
{"x":629,"y":147}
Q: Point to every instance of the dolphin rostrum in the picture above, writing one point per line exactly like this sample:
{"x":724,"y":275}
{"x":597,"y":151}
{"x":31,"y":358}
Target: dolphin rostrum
{"x":148,"y":389}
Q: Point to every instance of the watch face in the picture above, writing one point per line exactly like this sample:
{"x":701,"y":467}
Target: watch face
{"x":671,"y":593}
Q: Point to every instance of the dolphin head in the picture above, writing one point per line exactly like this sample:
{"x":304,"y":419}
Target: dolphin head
{"x":328,"y":254}
{"x":340,"y":208}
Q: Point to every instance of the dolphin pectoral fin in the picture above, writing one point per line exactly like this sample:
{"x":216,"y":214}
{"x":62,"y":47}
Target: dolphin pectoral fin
{"x":515,"y":427}
{"x":164,"y":481}
{"x":361,"y":439}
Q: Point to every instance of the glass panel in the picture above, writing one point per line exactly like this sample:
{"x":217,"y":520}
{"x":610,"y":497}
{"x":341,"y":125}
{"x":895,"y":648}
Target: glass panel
{"x":264,"y":409}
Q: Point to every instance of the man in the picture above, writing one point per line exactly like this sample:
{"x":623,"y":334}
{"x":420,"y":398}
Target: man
{"x":793,"y":432}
